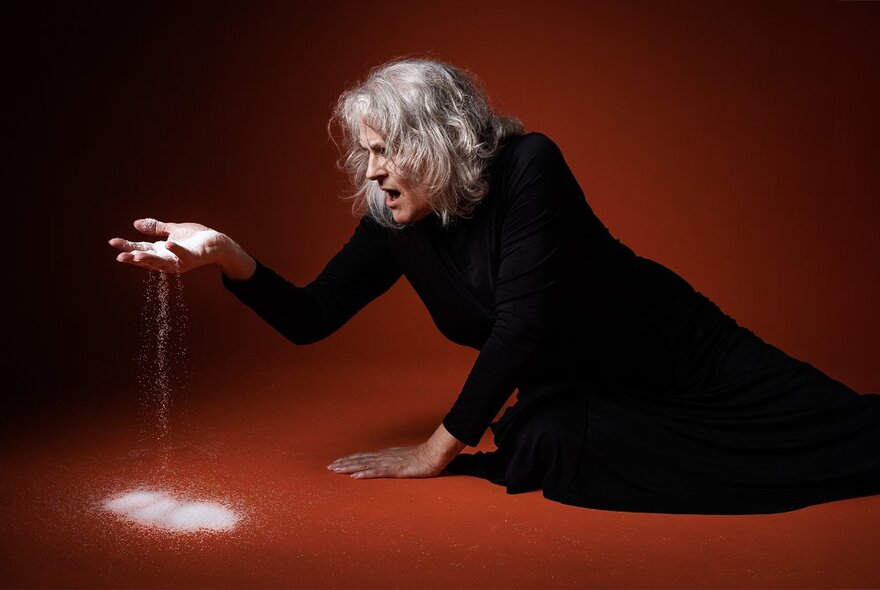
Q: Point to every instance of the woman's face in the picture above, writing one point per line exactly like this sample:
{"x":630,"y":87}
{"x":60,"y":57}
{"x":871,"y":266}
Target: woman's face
{"x":406,"y":204}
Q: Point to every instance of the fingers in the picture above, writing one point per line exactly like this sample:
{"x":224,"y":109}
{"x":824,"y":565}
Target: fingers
{"x":356,"y":464}
{"x":366,"y":469}
{"x":149,"y":260}
{"x":179,"y":252}
{"x":390,"y":450}
{"x":152,"y":227}
{"x":127,"y":246}
{"x":351,"y":467}
{"x":360,"y":458}
{"x":352,"y":464}
{"x":391,"y":462}
{"x":356,"y":456}
{"x":175,"y":248}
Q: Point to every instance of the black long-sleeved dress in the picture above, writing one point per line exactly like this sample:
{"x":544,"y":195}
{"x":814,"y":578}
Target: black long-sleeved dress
{"x":635,"y":392}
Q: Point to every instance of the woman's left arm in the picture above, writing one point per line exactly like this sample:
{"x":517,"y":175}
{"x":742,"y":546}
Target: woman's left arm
{"x":540,"y":205}
{"x":531,"y":256}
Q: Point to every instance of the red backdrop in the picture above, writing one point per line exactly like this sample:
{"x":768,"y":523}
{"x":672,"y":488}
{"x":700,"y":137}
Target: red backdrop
{"x":735,"y":143}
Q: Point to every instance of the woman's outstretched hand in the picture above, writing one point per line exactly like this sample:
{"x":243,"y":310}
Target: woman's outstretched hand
{"x":425,"y":460}
{"x":185,"y":246}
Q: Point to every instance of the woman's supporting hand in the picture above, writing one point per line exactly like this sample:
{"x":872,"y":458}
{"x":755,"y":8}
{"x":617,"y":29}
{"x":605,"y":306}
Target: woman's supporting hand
{"x":186,"y":246}
{"x":425,"y":460}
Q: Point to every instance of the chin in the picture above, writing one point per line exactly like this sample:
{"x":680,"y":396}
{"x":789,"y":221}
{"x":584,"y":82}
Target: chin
{"x":400,"y":216}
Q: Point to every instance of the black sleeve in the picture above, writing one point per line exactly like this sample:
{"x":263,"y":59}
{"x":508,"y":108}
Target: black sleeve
{"x":361,"y":271}
{"x":526,"y":286}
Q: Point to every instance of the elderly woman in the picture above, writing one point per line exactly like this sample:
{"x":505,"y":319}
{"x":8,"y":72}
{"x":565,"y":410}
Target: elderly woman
{"x":635,"y":392}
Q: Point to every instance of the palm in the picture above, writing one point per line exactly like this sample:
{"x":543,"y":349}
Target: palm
{"x":186,"y":246}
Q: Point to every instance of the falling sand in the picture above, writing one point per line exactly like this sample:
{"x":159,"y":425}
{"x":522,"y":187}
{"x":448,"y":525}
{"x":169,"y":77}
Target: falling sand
{"x":163,"y":353}
{"x":162,"y":362}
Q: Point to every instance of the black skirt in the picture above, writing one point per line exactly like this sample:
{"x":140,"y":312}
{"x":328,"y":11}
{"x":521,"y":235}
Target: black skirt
{"x":756,"y":431}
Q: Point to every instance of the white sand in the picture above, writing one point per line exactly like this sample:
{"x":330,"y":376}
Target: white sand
{"x":162,"y":510}
{"x":161,"y":251}
{"x":162,"y":357}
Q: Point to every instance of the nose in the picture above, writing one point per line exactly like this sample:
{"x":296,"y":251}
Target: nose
{"x":376,"y":167}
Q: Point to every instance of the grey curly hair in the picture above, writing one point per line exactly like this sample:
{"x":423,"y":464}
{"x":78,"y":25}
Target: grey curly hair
{"x":439,"y":131}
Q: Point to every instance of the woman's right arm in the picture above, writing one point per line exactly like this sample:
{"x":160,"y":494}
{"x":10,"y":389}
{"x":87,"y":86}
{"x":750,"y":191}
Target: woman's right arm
{"x":361,"y":271}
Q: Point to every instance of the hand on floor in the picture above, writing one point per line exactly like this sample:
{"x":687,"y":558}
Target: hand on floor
{"x":393,"y":462}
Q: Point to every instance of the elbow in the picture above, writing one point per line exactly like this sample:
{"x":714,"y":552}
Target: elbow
{"x":298,"y":330}
{"x":303,"y":339}
{"x":302,"y":335}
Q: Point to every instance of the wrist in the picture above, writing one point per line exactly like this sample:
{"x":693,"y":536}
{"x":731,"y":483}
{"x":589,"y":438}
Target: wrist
{"x":442,"y":447}
{"x":232,"y":260}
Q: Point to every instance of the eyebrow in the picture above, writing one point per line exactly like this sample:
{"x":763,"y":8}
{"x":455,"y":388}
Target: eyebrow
{"x":374,"y":145}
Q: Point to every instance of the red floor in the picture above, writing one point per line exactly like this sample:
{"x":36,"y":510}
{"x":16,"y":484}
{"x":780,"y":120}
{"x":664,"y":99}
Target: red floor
{"x":262,"y":440}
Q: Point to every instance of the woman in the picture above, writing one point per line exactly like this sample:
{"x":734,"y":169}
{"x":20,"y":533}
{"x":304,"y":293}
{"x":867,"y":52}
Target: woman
{"x":635,"y":392}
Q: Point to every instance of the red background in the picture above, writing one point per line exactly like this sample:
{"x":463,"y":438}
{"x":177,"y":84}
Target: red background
{"x":735,"y":143}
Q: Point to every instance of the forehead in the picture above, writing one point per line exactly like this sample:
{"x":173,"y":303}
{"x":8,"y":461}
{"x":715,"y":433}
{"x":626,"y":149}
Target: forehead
{"x":368,"y":135}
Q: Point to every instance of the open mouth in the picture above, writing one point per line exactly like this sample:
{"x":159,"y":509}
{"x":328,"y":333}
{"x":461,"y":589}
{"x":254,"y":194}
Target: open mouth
{"x":391,"y":195}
